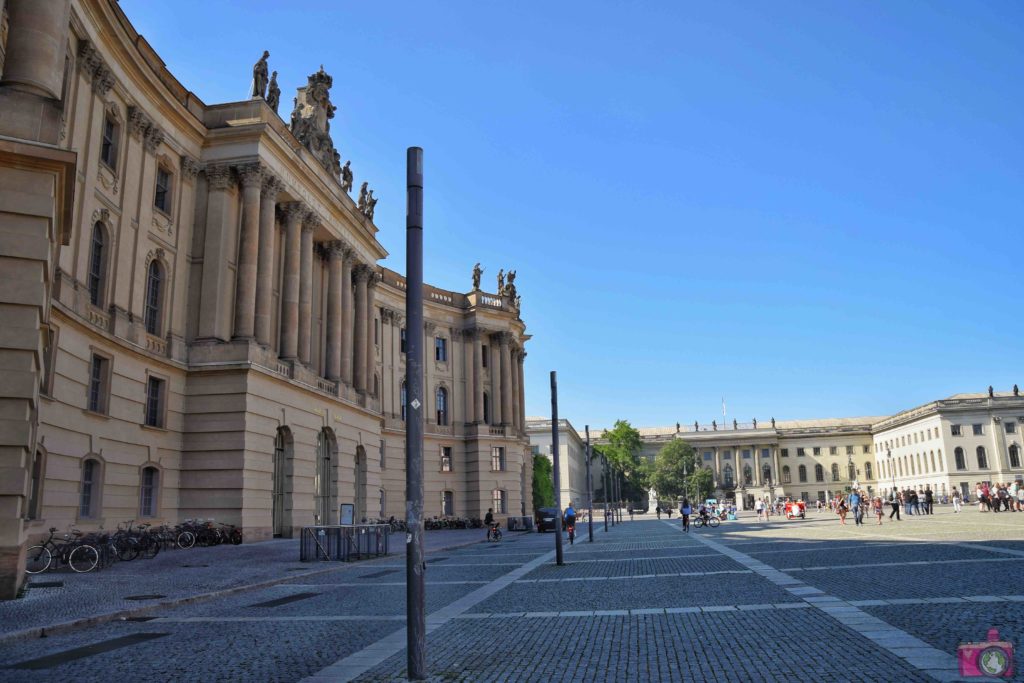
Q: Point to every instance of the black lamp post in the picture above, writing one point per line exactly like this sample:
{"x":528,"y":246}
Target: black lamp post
{"x":892,"y":471}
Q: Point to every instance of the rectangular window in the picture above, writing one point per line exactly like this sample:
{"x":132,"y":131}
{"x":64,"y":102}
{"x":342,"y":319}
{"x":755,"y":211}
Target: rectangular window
{"x":867,"y":448}
{"x":155,"y":389}
{"x":817,"y":450}
{"x":99,"y":384}
{"x":833,"y":450}
{"x":383,"y":455}
{"x":85,"y":503}
{"x":441,"y":349}
{"x":1011,"y":427}
{"x":402,"y":346}
{"x":162,"y":198}
{"x":976,"y":430}
{"x":483,"y":355}
{"x":955,"y":430}
{"x":535,"y":450}
{"x":376,"y":331}
{"x":708,"y":455}
{"x":49,"y":358}
{"x":746,"y":453}
{"x":147,"y":497}
{"x":765,"y":453}
{"x":498,"y":502}
{"x":800,"y":453}
{"x":497,"y":458}
{"x":446,"y":458}
{"x":108,"y":147}
{"x":785,"y":452}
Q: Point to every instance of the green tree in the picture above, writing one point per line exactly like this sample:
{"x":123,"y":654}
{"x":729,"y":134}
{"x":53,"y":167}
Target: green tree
{"x":543,"y":483}
{"x":677,"y":472}
{"x":622,"y":451}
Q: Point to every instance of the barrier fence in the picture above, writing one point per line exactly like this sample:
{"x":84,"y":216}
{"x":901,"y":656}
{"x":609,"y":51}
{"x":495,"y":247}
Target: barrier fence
{"x":343,"y":542}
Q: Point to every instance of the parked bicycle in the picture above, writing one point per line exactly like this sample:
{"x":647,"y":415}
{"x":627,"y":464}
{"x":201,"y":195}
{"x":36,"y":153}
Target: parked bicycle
{"x":73,"y":551}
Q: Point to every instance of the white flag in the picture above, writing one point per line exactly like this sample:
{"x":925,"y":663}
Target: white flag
{"x":723,"y":406}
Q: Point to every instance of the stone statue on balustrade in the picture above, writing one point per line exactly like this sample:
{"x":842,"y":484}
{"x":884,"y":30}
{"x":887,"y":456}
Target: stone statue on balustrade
{"x":363,"y":192}
{"x":259,"y":76}
{"x":519,"y":302}
{"x":346,"y":177}
{"x":274,"y":93}
{"x":371,"y":203}
{"x":477,"y":272}
{"x":501,"y":281}
{"x":310,"y":121}
{"x":735,"y":424}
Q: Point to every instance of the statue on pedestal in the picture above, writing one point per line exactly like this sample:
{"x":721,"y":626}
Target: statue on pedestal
{"x":311,"y":121}
{"x":477,"y":272}
{"x":274,"y":93}
{"x":361,"y":204}
{"x":346,"y":177}
{"x":259,"y":76}
{"x":501,"y":281}
{"x":371,"y":202}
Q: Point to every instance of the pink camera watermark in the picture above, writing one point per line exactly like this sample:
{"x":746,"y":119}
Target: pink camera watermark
{"x":992,"y":658}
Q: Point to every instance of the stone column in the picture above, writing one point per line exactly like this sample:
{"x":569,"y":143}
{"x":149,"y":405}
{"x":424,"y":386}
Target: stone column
{"x":362,"y":274}
{"x":265,"y":261}
{"x":514,"y":387}
{"x":468,"y":342}
{"x":213,"y":323}
{"x":496,"y":388}
{"x":718,"y":466}
{"x":371,"y":348}
{"x":335,"y":256}
{"x":294,"y":213}
{"x":478,"y":376}
{"x":251,"y":178}
{"x":522,"y":391}
{"x":346,"y":316}
{"x":506,"y":378}
{"x":36,"y":45}
{"x":306,"y":287}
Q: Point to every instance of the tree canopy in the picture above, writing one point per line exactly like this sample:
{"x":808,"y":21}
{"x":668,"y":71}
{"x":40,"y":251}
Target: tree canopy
{"x":543,"y":482}
{"x":677,"y":472}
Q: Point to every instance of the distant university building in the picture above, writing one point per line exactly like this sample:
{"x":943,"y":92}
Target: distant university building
{"x":194,"y":321}
{"x":948,"y":444}
{"x":572,"y":461}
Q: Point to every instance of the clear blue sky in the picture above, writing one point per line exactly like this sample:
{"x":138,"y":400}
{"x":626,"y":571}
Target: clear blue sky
{"x":813,"y":209}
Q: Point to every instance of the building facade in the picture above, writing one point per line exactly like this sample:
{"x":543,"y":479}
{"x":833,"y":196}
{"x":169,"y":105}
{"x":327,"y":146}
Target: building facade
{"x":572,"y":462}
{"x":956,"y":442}
{"x":213,"y":336}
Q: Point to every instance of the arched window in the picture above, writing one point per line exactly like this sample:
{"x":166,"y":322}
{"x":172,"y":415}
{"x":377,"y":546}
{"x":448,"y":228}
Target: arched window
{"x":766,"y":472}
{"x":35,"y":492}
{"x":404,"y":400}
{"x":961,"y":460}
{"x":154,"y":293}
{"x":835,"y":472}
{"x":786,"y":478}
{"x":98,"y":265}
{"x":868,"y":471}
{"x":1014,"y":456}
{"x":748,"y":475}
{"x":376,"y":385}
{"x":383,"y":504}
{"x":487,"y":408}
{"x":442,"y":406}
{"x":727,"y":480}
{"x":447,"y":504}
{"x":819,"y":473}
{"x":932,"y":454}
{"x":942,"y":465}
{"x":852,"y":473}
{"x":88,"y":501}
{"x":921,"y":463}
{"x":802,"y":473}
{"x":149,"y":492}
{"x":982,"y":458}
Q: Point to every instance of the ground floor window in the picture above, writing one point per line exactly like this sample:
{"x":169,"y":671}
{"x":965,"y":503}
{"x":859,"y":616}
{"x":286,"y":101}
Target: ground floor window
{"x":499,"y":501}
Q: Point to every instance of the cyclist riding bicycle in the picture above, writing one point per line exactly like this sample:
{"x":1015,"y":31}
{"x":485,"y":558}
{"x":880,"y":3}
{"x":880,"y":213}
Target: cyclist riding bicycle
{"x":570,"y":516}
{"x":489,"y":522}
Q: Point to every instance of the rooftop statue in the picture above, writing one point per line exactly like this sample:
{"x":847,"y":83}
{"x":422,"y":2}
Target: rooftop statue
{"x":773,"y":423}
{"x":346,"y":177}
{"x":755,"y":423}
{"x":371,"y":203}
{"x":310,"y":121}
{"x":501,"y":281}
{"x":274,"y":93}
{"x":735,"y":424}
{"x":361,"y":204}
{"x":259,"y":76}
{"x":477,"y":272}
{"x":1016,"y":391}
{"x":991,"y":392}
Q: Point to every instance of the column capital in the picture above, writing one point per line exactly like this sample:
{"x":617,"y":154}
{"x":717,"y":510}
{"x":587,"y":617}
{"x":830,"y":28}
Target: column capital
{"x":429,"y":327}
{"x":270,"y":186}
{"x":189,"y":167}
{"x":311,"y":222}
{"x":250,"y":175}
{"x":293,"y":211}
{"x":362,"y":273}
{"x":503,"y":338}
{"x":469,"y":334}
{"x":220,"y":176}
{"x":335,"y":250}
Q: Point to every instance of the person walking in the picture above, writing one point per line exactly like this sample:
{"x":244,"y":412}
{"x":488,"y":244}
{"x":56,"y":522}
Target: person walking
{"x":685,"y":511}
{"x":657,"y":511}
{"x":876,"y":506}
{"x":956,"y":500}
{"x":855,"y":506}
{"x":841,"y":509}
{"x":894,"y":503}
{"x":929,"y":500}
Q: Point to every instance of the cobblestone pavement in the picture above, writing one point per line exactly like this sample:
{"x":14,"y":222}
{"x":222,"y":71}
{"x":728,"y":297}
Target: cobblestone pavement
{"x":785,"y":601}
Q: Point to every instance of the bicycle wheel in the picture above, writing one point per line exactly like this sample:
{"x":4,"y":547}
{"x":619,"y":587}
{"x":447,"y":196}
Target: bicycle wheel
{"x":185,"y":540}
{"x":37,"y":559}
{"x":83,"y":559}
{"x":714,"y":522}
{"x":236,"y":537}
{"x":150,"y":548}
{"x":127,"y":549}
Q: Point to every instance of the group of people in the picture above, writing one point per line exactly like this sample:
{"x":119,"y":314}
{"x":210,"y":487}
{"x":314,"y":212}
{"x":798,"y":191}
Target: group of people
{"x":1000,"y":497}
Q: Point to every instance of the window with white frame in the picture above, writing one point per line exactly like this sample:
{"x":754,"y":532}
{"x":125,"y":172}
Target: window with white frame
{"x":89,"y":493}
{"x":499,"y":501}
{"x":446,"y":458}
{"x":156,"y":390}
{"x":149,"y":492}
{"x":162,"y":193}
{"x":440,"y":349}
{"x":109,"y":142}
{"x":99,"y":384}
{"x":497,"y":458}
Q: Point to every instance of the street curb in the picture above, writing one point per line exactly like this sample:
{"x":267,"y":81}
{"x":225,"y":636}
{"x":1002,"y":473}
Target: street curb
{"x":64,"y":627}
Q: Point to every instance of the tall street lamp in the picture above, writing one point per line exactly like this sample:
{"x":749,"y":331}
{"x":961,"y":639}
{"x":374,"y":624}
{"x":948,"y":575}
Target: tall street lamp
{"x":892,"y":471}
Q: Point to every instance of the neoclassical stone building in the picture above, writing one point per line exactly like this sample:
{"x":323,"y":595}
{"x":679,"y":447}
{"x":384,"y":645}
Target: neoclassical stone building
{"x":207,"y":330}
{"x":947,"y":444}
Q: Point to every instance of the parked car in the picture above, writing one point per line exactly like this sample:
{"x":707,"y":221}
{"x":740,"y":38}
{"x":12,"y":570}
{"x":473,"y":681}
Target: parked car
{"x":546,"y":518}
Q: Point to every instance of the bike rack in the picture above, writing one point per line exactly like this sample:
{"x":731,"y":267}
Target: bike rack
{"x":343,"y":542}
